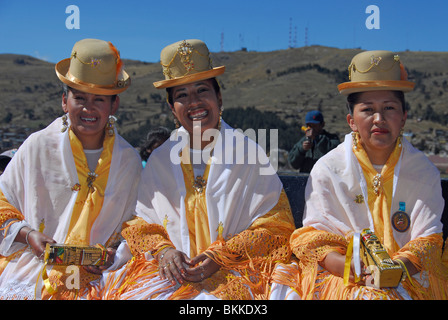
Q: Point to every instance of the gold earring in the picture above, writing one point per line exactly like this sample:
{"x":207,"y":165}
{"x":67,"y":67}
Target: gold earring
{"x":64,"y":123}
{"x":176,"y":123}
{"x":220,"y":118}
{"x":110,"y":125}
{"x":400,"y":137}
{"x":355,"y":138}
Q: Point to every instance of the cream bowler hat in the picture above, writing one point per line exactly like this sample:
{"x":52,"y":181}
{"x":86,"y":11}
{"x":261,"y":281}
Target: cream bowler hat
{"x":376,"y":70}
{"x":95,"y":67}
{"x":185,"y":62}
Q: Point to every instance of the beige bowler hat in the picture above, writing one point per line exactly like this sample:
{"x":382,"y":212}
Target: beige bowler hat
{"x":95,"y":67}
{"x":376,"y":70}
{"x":185,"y":62}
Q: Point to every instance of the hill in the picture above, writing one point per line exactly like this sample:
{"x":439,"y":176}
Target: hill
{"x":280,"y":85}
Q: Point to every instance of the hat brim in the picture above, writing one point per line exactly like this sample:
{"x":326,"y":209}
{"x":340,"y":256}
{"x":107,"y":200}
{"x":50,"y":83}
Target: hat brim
{"x":190,"y":78}
{"x":347,"y":88}
{"x":62,"y":68}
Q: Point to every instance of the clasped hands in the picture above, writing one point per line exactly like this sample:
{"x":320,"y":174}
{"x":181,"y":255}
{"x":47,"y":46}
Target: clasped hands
{"x":176,"y":266}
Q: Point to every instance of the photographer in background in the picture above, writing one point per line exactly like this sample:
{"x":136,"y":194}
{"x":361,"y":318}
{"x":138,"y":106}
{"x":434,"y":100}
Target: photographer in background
{"x":316,"y":143}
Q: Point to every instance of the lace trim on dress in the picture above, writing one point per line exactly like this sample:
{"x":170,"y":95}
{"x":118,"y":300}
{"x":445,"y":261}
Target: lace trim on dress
{"x":17,"y":291}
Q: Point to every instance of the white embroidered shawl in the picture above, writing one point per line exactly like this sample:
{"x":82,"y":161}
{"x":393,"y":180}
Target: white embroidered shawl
{"x":337,"y":178}
{"x":242,"y":186}
{"x":39,"y":180}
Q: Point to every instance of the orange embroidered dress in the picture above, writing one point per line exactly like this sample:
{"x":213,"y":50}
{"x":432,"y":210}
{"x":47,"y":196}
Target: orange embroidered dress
{"x":342,"y":200}
{"x":241,"y":219}
{"x":45,"y":187}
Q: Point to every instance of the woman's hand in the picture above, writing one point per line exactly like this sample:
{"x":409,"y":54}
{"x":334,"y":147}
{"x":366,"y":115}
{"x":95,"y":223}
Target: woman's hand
{"x":205,"y":269}
{"x":109,"y":261}
{"x":334,"y":263}
{"x":35,"y":239}
{"x":308,"y":142}
{"x":175,"y":266}
{"x":408,"y":264}
{"x":172,"y":265}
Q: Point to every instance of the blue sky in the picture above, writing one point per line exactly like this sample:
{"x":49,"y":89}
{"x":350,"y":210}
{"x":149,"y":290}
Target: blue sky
{"x":140,"y":29}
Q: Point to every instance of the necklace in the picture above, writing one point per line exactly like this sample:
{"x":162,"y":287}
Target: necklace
{"x":200,"y":180}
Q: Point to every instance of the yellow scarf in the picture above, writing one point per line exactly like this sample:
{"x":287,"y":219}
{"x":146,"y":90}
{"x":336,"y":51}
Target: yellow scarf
{"x":196,"y":211}
{"x":380,"y":187}
{"x":89,"y":200}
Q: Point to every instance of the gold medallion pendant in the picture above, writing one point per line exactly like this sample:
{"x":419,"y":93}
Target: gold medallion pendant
{"x":400,"y":219}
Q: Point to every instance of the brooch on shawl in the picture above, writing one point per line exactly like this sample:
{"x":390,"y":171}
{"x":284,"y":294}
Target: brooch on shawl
{"x":359,"y":198}
{"x":76,"y":187}
{"x":199,"y":184}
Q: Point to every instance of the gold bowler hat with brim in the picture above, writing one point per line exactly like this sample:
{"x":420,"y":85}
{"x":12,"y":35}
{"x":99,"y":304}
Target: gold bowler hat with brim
{"x":185,"y":62}
{"x":376,"y":70}
{"x":94,"y":67}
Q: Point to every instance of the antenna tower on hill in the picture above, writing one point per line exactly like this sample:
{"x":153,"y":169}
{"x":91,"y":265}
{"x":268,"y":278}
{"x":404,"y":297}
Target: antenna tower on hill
{"x":306,"y":36}
{"x":292,"y":37}
{"x":290,"y":26}
{"x":295,"y":37}
{"x":222,"y":41}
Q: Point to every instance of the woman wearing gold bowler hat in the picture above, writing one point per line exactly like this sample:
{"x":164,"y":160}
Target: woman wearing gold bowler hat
{"x":74,"y":182}
{"x":207,"y":226}
{"x":374,"y":180}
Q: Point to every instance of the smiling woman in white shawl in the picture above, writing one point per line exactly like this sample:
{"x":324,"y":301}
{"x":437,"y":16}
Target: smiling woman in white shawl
{"x":74,"y":182}
{"x":212,"y":216}
{"x":374,"y":180}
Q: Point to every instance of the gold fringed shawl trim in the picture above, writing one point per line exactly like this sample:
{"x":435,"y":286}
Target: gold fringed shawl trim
{"x":311,"y":281}
{"x":331,"y":287}
{"x":131,"y":283}
{"x":144,"y":237}
{"x":310,"y":246}
{"x":253,"y":254}
{"x":128,"y":283}
{"x":8,"y":212}
{"x":222,"y":284}
{"x":265,"y":242}
{"x":58,"y":280}
{"x":288,"y":275}
{"x":426,"y":254}
{"x":316,"y":283}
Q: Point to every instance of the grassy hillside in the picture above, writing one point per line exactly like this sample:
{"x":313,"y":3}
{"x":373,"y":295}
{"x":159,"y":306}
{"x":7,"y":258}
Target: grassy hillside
{"x":282,"y":85}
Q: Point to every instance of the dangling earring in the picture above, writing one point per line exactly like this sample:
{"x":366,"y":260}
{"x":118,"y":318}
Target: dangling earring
{"x":176,"y":123}
{"x":110,"y":125}
{"x":220,"y":118}
{"x":64,"y":123}
{"x":355,"y":137}
{"x":400,"y":137}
